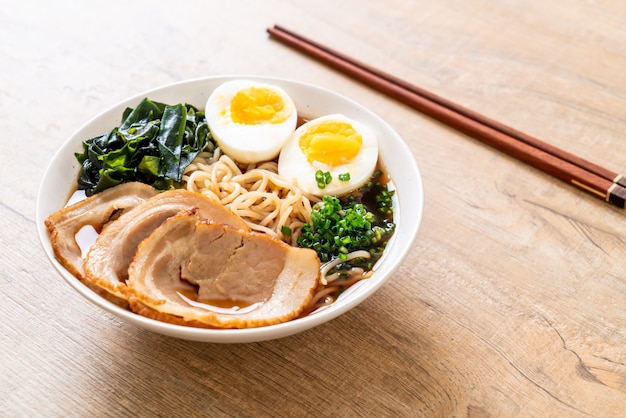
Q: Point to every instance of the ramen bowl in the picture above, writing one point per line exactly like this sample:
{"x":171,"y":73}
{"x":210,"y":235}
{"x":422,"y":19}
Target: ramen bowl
{"x":311,"y":101}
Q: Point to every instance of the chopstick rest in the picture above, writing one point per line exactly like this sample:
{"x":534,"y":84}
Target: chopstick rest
{"x":565,"y":166}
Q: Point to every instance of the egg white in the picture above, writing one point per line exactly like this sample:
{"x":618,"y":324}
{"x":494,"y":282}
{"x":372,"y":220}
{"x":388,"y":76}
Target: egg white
{"x":242,"y":142}
{"x":293,"y":164}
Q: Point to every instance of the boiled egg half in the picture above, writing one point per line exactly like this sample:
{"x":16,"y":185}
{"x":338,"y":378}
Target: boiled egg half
{"x":342,"y":151}
{"x":250,"y":121}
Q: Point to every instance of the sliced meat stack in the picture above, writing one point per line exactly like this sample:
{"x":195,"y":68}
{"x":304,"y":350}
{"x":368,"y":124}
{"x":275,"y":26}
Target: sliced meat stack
{"x":183,"y":258}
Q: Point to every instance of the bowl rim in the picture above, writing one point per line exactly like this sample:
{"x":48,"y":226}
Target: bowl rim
{"x":261,"y":333}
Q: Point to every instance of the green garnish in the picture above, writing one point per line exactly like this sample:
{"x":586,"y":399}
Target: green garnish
{"x":384,"y":201}
{"x":323,"y":178}
{"x":154,"y":144}
{"x":336,"y":230}
{"x":344,"y":177}
{"x":285,"y":230}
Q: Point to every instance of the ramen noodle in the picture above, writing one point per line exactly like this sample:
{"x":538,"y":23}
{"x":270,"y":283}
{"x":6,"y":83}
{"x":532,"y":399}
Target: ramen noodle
{"x":263,"y":199}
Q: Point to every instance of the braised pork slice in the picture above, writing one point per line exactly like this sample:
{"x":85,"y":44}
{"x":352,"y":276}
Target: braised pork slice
{"x":96,"y":211}
{"x":201,"y":272}
{"x":107,"y":261}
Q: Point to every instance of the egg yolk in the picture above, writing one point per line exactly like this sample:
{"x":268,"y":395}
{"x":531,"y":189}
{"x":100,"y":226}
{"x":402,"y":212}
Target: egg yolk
{"x":332,"y":143}
{"x":257,"y":105}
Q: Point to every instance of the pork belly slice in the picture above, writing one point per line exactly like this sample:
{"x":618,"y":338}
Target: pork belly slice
{"x":205,"y":274}
{"x":107,"y":261}
{"x":96,"y":211}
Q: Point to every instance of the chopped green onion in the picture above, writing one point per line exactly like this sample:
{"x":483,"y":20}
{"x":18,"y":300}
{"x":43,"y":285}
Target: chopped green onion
{"x":323,"y":178}
{"x":337,"y":229}
{"x":285,"y":230}
{"x":344,"y":177}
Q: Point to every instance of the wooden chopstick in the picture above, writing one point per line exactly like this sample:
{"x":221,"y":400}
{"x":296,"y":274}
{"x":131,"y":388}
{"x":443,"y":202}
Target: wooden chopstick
{"x":585,"y":175}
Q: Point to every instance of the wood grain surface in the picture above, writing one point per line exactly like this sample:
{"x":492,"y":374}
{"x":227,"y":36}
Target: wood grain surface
{"x":511,"y":303}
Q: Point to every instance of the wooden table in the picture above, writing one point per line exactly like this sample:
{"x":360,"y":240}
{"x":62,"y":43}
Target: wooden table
{"x":511,"y":303}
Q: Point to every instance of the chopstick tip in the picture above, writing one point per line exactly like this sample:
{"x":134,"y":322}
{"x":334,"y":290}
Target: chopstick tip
{"x":272,"y":30}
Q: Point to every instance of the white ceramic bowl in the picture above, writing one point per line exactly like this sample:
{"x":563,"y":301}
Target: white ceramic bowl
{"x":60,"y":181}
